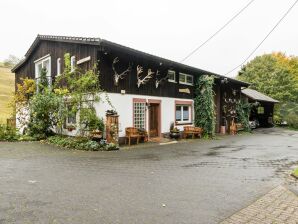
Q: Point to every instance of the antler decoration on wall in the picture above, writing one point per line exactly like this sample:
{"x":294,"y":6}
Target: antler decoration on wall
{"x":118,"y":76}
{"x":146,"y":78}
{"x":158,"y":81}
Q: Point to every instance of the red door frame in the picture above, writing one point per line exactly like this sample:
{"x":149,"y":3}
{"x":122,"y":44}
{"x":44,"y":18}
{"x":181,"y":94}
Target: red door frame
{"x":158,"y":118}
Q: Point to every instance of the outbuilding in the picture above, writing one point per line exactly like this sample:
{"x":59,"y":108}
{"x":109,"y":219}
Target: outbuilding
{"x":263,"y":109}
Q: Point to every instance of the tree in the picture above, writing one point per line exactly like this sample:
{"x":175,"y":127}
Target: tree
{"x":11,"y":61}
{"x":275,"y":75}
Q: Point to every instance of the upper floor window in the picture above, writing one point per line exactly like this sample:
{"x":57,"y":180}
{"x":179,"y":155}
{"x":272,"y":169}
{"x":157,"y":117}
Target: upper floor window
{"x":59,"y":66}
{"x":171,"y":76}
{"x":185,"y":79}
{"x":72,"y":63}
{"x":43,"y":63}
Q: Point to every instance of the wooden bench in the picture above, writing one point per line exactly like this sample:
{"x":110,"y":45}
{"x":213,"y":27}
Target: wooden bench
{"x":193,"y":131}
{"x":131,"y":133}
{"x":136,"y":133}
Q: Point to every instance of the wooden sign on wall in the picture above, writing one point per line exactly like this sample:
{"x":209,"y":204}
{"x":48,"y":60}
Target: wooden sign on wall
{"x":81,"y":61}
{"x":184,"y":91}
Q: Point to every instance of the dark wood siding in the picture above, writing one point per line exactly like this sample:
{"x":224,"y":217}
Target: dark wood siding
{"x":56,"y":50}
{"x":129,"y":83}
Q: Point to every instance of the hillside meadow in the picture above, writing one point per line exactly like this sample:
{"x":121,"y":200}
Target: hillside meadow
{"x":6,"y":91}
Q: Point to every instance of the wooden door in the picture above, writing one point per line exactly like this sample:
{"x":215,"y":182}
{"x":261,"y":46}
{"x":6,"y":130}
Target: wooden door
{"x":153,"y":120}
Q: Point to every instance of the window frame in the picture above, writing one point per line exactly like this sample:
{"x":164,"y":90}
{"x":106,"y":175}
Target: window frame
{"x":262,"y":110}
{"x":67,"y":118}
{"x":185,"y":79}
{"x":144,"y":117}
{"x":183,"y":104}
{"x":41,"y":61}
{"x":174,"y":73}
{"x":58,"y":66}
{"x":72,"y":63}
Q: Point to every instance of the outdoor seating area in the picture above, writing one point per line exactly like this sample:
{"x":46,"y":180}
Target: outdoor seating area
{"x":192,"y":131}
{"x":135,"y":133}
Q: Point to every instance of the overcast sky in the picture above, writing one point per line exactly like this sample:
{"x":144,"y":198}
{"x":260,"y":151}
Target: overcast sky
{"x":166,"y":28}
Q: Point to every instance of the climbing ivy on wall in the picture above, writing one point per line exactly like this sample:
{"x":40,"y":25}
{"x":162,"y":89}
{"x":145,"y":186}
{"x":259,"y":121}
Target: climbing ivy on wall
{"x":243,"y":110}
{"x":204,"y":105}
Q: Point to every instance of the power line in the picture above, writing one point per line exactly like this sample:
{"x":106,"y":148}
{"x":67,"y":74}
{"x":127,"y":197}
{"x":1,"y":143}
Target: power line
{"x":279,"y":21}
{"x":213,"y":35}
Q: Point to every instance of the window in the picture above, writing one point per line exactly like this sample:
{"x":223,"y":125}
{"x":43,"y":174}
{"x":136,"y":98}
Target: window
{"x":261,"y":110}
{"x":139,"y":114}
{"x":71,"y":116}
{"x":185,"y":79}
{"x":59,"y":66}
{"x":43,"y":63}
{"x":72,"y":63}
{"x":171,"y":76}
{"x":183,"y":113}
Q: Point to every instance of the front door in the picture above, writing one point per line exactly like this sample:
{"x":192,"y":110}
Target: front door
{"x":154,"y":120}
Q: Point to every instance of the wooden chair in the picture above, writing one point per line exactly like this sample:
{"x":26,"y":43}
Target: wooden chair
{"x":239,"y":127}
{"x":193,"y":131}
{"x":233,"y":128}
{"x":131,"y":133}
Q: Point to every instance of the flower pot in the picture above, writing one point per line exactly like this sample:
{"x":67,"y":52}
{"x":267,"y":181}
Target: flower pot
{"x":175,"y":135}
{"x":223,"y":130}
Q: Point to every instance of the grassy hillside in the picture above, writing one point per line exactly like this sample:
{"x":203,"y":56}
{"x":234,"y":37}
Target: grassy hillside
{"x":6,"y":90}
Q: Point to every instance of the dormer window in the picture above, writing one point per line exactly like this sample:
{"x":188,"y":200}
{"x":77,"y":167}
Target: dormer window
{"x":72,"y":63}
{"x":59,"y":66}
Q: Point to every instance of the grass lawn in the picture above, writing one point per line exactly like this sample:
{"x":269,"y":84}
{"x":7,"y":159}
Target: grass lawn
{"x":295,"y":172}
{"x":6,"y":90}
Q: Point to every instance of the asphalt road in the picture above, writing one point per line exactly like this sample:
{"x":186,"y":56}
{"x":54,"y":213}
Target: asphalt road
{"x":197,"y":181}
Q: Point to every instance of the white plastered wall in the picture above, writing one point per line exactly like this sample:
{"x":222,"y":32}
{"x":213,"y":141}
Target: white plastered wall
{"x":123,"y":104}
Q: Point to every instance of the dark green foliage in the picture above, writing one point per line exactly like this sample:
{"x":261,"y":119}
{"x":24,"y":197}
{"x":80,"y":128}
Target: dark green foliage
{"x":275,"y":75}
{"x":90,"y":121}
{"x":43,"y":81}
{"x":290,"y":113}
{"x":74,"y":92}
{"x":43,"y":108}
{"x":204,"y":105}
{"x":80,"y":143}
{"x":243,"y":111}
{"x":8,"y":133}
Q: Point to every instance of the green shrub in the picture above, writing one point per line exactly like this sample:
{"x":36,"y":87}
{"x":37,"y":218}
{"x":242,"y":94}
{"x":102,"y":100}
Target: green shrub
{"x":8,"y":133}
{"x":204,"y":105}
{"x":26,"y":138}
{"x":80,"y":143}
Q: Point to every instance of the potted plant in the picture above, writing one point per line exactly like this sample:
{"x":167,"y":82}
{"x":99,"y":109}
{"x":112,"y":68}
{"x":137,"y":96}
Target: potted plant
{"x":174,"y":132}
{"x":70,"y":127}
{"x":223,"y":126}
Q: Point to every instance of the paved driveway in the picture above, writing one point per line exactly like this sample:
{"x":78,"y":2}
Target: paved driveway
{"x":195,"y":182}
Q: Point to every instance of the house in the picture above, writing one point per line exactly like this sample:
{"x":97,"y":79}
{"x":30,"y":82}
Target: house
{"x":264,"y":108}
{"x":147,"y":91}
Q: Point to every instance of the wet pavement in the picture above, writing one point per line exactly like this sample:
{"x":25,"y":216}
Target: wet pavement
{"x":198,"y":181}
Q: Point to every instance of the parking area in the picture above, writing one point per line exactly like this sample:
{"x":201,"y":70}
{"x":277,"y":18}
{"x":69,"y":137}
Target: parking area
{"x":198,"y":181}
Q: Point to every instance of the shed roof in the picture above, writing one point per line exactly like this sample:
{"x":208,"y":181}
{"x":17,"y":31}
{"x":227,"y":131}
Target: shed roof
{"x":255,"y":95}
{"x":99,"y":41}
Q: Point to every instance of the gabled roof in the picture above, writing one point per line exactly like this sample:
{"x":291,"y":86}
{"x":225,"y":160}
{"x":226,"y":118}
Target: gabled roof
{"x":255,"y":95}
{"x":99,"y":41}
